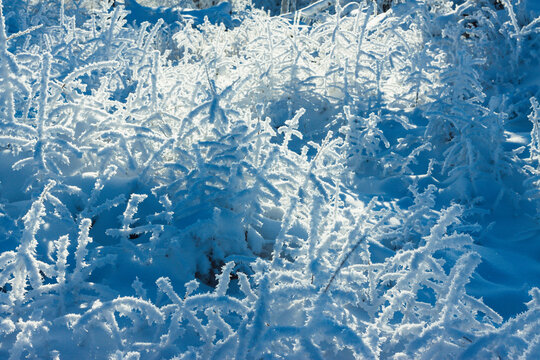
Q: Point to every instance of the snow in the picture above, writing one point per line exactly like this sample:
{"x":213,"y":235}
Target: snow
{"x":213,"y":180}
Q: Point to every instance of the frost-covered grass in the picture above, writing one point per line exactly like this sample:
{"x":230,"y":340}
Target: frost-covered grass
{"x":360,"y":181}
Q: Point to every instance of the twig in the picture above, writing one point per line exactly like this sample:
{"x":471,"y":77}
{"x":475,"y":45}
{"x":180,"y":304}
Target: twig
{"x":340,"y":266}
{"x":21,"y":33}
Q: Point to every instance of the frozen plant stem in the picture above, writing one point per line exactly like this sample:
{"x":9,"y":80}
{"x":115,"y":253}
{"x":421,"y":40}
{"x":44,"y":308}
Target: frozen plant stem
{"x":342,"y":263}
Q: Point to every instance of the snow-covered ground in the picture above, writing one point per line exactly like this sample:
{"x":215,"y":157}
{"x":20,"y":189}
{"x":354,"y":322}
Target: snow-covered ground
{"x":356,"y":180}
